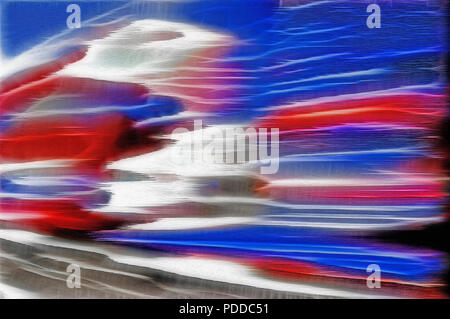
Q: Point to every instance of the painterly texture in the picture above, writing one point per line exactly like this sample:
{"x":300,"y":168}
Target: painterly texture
{"x":89,"y":163}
